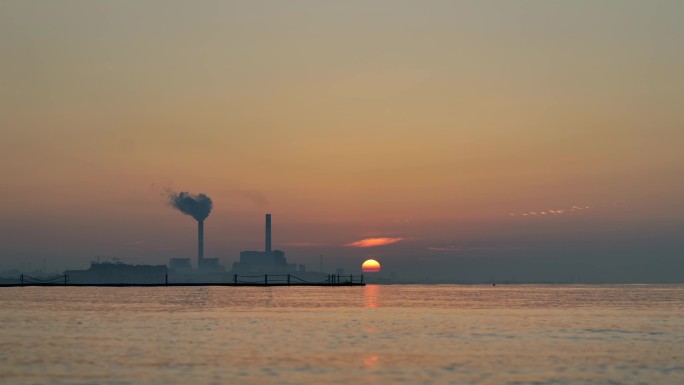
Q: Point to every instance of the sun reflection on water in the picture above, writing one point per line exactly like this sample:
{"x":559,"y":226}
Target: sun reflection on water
{"x":370,"y":296}
{"x":370,"y":362}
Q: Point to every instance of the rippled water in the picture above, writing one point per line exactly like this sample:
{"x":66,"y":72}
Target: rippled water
{"x":403,"y":334}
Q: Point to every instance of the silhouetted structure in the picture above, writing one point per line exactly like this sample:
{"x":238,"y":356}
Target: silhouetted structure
{"x":200,"y":243}
{"x":267,"y":261}
{"x":210,"y":264}
{"x":180,"y":264}
{"x":236,"y":280}
{"x":268,"y":233}
{"x":114,"y":273}
{"x":197,"y":206}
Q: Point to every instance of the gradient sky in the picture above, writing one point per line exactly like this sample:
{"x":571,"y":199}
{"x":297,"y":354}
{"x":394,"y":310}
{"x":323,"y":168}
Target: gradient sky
{"x":450,"y":125}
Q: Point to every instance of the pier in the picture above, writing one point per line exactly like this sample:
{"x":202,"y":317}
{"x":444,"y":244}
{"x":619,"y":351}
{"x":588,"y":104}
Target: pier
{"x":237,"y":280}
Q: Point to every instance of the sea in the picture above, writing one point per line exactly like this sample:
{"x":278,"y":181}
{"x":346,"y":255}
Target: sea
{"x":377,"y":334}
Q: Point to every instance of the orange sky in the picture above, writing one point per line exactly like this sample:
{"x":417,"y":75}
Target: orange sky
{"x":427,"y":121}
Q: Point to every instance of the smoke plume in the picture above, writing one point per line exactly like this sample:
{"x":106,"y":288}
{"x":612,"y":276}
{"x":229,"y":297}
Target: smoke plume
{"x":197,"y":206}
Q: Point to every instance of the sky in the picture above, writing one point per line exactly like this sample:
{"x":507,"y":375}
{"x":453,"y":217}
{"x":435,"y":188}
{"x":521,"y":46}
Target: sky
{"x":486,"y":140}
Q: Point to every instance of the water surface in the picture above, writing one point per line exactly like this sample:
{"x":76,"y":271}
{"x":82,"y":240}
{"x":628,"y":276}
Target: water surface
{"x":400,"y":334}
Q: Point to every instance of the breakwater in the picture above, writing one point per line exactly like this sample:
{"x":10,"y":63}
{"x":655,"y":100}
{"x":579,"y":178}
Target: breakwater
{"x":238,"y":280}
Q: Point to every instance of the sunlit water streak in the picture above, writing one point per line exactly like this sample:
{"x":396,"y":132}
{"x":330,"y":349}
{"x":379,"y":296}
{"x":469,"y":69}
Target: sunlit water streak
{"x":406,"y":334}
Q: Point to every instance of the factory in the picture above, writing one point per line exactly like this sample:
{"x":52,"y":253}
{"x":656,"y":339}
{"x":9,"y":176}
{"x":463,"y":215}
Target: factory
{"x":267,"y":261}
{"x":251,"y":262}
{"x":118,"y":273}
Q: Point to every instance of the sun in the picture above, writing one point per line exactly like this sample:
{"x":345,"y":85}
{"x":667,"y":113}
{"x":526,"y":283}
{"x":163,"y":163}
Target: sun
{"x":371,"y":266}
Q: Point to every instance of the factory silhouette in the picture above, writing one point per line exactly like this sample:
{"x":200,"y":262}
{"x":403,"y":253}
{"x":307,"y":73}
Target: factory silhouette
{"x":180,"y":270}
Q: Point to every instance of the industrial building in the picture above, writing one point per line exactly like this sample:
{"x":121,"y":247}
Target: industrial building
{"x":114,"y":273}
{"x":267,"y":261}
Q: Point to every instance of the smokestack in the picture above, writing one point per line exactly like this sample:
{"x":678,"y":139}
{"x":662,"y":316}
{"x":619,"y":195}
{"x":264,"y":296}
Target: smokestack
{"x":200,"y":243}
{"x":268,"y":232}
{"x":197,"y":206}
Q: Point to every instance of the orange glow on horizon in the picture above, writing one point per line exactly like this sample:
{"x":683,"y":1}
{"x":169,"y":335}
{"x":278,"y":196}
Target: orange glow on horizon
{"x":371,"y":266}
{"x":373,"y":242}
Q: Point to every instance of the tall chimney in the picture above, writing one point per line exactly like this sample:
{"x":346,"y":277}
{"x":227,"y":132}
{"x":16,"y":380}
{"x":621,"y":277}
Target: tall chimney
{"x":268,"y":232}
{"x":200,"y":243}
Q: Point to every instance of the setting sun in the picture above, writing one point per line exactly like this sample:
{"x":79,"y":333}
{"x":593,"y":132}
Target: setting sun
{"x":371,"y":266}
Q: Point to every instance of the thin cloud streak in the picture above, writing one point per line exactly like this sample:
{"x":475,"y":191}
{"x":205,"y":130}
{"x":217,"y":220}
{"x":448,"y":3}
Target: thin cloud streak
{"x":445,"y":248}
{"x":374,"y":242}
{"x":305,"y":244}
{"x":165,"y":248}
{"x":567,"y":210}
{"x":465,"y":246}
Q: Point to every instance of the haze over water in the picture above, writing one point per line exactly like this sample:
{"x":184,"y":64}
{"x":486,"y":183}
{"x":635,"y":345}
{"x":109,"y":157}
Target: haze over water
{"x":402,"y":334}
{"x":451,"y":141}
{"x":529,"y":141}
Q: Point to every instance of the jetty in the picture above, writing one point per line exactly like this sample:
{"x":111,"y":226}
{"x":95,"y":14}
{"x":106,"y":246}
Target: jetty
{"x":264,"y":280}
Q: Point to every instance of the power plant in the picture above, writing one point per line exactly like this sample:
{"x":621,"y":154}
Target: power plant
{"x":267,"y":261}
{"x":253,"y":268}
{"x":270,"y":263}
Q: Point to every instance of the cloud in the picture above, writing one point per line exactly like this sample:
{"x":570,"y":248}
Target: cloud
{"x":561,"y":211}
{"x":373,"y":242}
{"x":445,"y":248}
{"x":304,"y":244}
{"x":466,"y":246}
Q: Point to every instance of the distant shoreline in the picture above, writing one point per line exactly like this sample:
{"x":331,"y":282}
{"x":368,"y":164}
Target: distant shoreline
{"x":176,"y":284}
